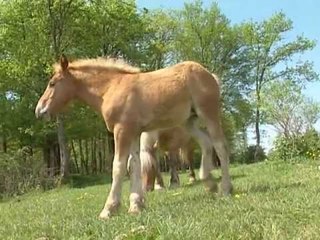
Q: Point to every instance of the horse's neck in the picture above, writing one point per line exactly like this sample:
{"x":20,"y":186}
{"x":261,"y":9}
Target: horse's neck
{"x":91,"y":89}
{"x":90,"y":99}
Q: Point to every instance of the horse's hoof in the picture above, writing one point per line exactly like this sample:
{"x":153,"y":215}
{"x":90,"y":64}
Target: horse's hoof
{"x":109,"y":210}
{"x":210,"y":184}
{"x":105,"y":214}
{"x":174,"y":185}
{"x":158,"y":187}
{"x":226,"y":189}
{"x":148,"y":188}
{"x":136,"y":208}
{"x":192,"y":180}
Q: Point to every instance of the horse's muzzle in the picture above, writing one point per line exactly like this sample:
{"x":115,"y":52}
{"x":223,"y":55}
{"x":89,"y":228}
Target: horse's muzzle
{"x":41,"y":110}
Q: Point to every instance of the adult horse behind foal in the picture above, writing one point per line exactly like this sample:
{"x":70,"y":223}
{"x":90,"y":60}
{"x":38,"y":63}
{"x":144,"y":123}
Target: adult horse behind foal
{"x":177,"y":144}
{"x":132,"y":102}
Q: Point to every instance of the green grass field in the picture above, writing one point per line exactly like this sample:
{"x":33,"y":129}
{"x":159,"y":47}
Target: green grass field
{"x":272,"y":200}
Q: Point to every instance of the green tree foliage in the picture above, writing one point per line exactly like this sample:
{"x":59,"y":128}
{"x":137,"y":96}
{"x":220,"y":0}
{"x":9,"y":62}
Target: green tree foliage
{"x":158,"y":42}
{"x":297,"y":147}
{"x":270,"y":57}
{"x":205,"y":35}
{"x":33,"y":35}
{"x":287,"y":109}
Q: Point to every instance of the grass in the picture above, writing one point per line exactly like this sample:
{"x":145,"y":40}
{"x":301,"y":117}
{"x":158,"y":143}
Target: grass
{"x":272,"y":200}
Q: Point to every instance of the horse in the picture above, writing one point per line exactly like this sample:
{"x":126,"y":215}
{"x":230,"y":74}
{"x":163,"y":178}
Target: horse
{"x":132,"y":102}
{"x":177,"y":144}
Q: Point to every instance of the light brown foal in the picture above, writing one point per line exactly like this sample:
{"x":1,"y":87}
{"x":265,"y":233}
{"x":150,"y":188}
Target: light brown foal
{"x":132,"y":102}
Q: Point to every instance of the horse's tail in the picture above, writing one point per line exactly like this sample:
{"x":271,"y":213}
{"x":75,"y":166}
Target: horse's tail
{"x":148,"y":159}
{"x":184,"y":153}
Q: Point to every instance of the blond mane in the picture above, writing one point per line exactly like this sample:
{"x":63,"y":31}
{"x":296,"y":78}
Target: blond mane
{"x":105,"y":63}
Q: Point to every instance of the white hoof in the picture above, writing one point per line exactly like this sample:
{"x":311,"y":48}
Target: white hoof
{"x":105,"y":214}
{"x":158,"y":187}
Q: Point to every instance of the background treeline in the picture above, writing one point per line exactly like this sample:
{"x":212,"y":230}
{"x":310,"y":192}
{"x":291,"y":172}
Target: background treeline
{"x":262,"y":78}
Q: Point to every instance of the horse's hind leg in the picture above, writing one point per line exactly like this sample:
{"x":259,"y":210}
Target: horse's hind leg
{"x":159,"y":183}
{"x":173,"y":163}
{"x":211,"y":116}
{"x":192,"y":175}
{"x":206,"y":166}
{"x":204,"y":89}
{"x":187,"y":157}
{"x":220,"y":146}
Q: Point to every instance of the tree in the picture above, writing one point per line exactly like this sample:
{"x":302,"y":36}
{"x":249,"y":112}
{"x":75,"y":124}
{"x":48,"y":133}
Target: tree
{"x":287,"y":109}
{"x":60,"y":15}
{"x":78,"y":28}
{"x":157,"y":44}
{"x":206,"y":36}
{"x":271,"y":58}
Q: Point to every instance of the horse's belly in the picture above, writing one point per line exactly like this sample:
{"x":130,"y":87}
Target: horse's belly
{"x":167,"y":118}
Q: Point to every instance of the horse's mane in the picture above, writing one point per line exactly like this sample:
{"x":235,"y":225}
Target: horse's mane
{"x":106,"y":63}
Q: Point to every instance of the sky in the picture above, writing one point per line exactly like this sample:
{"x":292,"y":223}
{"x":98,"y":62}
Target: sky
{"x":304,"y":14}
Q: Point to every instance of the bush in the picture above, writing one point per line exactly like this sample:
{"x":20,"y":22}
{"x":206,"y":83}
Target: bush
{"x":304,"y":146}
{"x":247,"y":156}
{"x":20,"y":172}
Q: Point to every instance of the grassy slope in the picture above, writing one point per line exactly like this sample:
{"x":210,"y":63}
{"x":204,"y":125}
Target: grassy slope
{"x":271,"y":201}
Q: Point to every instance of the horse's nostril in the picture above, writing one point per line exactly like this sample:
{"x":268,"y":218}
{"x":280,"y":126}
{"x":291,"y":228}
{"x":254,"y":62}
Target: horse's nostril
{"x":43,"y":110}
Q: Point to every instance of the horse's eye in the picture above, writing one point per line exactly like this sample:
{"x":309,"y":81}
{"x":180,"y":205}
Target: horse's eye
{"x":51,"y":84}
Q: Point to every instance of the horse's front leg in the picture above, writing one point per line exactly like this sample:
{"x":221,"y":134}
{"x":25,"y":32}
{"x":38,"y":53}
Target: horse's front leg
{"x":122,"y":142}
{"x":136,"y":192}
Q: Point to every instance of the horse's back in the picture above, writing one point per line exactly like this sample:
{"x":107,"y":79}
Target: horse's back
{"x":169,"y":94}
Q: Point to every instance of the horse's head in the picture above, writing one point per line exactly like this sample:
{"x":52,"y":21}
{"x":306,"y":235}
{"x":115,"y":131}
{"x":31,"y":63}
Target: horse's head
{"x":60,"y":90}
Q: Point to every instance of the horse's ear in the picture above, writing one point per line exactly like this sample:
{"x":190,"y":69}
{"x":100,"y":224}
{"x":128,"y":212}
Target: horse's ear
{"x":64,"y":62}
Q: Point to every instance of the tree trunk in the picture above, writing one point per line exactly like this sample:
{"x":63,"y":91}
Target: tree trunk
{"x":46,"y":159}
{"x":82,"y":163}
{"x":93,"y":156}
{"x":244,"y":137}
{"x":257,"y":125}
{"x":100,"y":158}
{"x":52,"y":167}
{"x":57,"y":160}
{"x":4,"y":144}
{"x":50,"y":157}
{"x":104,"y":153}
{"x":111,"y":149}
{"x":259,"y":82}
{"x":75,"y":157}
{"x":64,"y":152}
{"x":86,"y":160}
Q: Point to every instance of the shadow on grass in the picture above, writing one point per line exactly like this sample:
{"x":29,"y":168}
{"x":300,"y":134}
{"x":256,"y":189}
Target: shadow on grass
{"x":189,"y":185}
{"x":263,"y":188}
{"x":82,"y":181}
{"x":233,"y":177}
{"x":218,"y":179}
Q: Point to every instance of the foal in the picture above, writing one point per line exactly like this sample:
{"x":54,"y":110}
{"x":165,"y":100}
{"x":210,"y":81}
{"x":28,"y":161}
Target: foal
{"x":132,"y":102}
